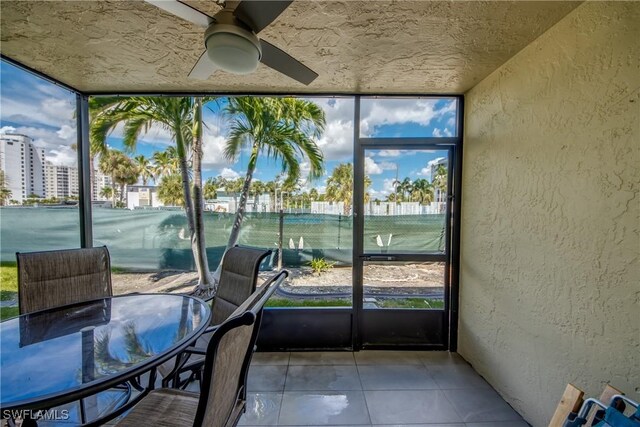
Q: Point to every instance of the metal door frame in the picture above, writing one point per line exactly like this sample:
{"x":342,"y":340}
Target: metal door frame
{"x":449,"y":316}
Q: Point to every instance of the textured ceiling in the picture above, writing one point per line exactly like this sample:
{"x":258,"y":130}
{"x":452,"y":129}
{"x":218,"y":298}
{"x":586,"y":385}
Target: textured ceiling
{"x":355,"y":46}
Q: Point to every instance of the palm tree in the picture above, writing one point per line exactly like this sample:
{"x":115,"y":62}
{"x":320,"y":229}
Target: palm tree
{"x":405,"y":188}
{"x":117,"y":165}
{"x":281,"y":128}
{"x":107,"y":192}
{"x":126,"y":174}
{"x":145,"y":168}
{"x":182,"y":117}
{"x":210,"y":189}
{"x":439,"y":180}
{"x":422,"y":191}
{"x":340,"y":186}
{"x":165,"y":163}
{"x":257,"y":188}
{"x":170,"y":190}
{"x":290,"y":189}
{"x":5,"y":192}
{"x":271,"y":187}
{"x":313,"y":194}
{"x":234,"y":187}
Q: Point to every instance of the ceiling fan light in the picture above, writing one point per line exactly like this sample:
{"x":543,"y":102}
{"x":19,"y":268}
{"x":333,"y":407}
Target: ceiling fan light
{"x":233,"y":53}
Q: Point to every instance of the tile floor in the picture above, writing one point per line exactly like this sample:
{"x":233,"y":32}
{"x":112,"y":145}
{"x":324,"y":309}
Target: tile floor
{"x":437,"y":389}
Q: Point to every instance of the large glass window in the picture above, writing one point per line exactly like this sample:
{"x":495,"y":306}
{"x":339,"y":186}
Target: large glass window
{"x":307,"y":221}
{"x":38,"y":173}
{"x":405,"y":201}
{"x":408,"y":117}
{"x":141,"y":220}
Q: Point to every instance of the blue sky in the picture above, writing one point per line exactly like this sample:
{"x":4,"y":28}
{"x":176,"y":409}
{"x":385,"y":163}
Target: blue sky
{"x":45,"y":112}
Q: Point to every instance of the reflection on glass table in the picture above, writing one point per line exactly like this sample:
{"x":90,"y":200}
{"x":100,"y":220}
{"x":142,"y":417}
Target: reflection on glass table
{"x":56,"y":356}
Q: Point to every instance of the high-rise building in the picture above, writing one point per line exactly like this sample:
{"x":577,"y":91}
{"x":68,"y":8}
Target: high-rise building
{"x":100,"y":181}
{"x":23,"y":166}
{"x":61,"y":181}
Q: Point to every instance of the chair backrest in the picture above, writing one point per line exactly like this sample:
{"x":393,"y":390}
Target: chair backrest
{"x":228,"y":358}
{"x":55,"y":278}
{"x":238,"y":280}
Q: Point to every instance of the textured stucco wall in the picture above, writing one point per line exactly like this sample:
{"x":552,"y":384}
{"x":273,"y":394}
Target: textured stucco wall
{"x":550,"y":278}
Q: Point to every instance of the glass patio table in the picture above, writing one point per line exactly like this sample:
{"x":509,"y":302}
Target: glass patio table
{"x":61,"y":355}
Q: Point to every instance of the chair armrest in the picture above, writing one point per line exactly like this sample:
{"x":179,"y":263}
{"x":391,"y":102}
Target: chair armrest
{"x":195,"y":350}
{"x":211,"y":329}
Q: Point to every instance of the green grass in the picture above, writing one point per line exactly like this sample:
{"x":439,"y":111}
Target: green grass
{"x":283,"y":302}
{"x":8,"y":312}
{"x":410,"y":303}
{"x":8,"y":288}
{"x":8,"y":281}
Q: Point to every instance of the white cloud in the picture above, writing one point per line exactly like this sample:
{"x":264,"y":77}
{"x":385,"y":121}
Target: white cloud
{"x":228,"y":173}
{"x":67,"y":132}
{"x":388,"y":187}
{"x":389,"y":111}
{"x":213,"y":151}
{"x":63,"y":156}
{"x":371,"y":167}
{"x":7,"y":129}
{"x":51,"y":112}
{"x":336,"y":142}
{"x":46,"y":114}
{"x":389,"y":153}
{"x":426,"y":172}
{"x":441,"y":133}
{"x":156,"y":135}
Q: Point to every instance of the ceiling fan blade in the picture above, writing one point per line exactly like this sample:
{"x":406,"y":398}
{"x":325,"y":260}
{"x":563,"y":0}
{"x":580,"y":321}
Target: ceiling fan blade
{"x":257,"y":14}
{"x":281,"y":61}
{"x":203,"y":68}
{"x":183,"y":11}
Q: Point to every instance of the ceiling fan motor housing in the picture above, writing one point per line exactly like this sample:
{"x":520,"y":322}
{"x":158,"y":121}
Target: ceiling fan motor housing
{"x":231,"y":45}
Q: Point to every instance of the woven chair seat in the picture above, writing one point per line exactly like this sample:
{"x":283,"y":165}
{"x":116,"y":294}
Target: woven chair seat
{"x":164,"y":407}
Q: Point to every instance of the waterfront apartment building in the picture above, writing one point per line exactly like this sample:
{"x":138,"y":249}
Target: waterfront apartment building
{"x":61,"y":182}
{"x":23,"y":165}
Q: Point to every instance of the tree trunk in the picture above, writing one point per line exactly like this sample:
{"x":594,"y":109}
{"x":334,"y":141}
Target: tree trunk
{"x":240,"y":210}
{"x":198,"y":246}
{"x":92,"y":175}
{"x":113,"y":191}
{"x":186,"y":187}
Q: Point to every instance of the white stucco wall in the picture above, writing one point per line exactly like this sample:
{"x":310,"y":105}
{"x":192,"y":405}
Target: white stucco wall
{"x":550,"y":277}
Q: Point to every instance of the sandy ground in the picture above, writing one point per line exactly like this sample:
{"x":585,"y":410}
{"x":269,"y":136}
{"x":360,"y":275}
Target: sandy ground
{"x":406,"y":278}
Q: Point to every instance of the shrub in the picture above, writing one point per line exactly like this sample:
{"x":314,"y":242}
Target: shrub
{"x":320,"y":265}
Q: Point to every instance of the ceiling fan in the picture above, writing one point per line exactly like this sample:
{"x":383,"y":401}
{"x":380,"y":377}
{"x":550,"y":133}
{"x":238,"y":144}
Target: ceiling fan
{"x":231,"y":40}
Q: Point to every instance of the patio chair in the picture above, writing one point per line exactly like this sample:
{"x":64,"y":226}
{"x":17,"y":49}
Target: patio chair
{"x":238,"y":280}
{"x":222,"y":397}
{"x":55,"y":278}
{"x":51,"y":279}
